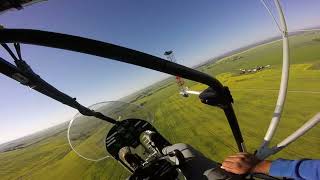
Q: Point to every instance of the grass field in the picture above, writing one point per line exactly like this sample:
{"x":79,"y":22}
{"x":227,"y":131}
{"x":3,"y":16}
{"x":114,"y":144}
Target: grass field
{"x":188,"y":120}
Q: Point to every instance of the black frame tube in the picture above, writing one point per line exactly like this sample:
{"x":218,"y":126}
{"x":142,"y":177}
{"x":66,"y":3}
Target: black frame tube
{"x":233,"y":122}
{"x":107,"y":50}
{"x":38,"y":84}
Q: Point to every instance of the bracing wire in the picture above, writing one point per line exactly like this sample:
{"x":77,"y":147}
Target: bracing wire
{"x":7,"y":48}
{"x":18,"y":50}
{"x":265,"y":4}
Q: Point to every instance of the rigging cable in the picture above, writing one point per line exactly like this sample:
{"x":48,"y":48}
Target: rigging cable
{"x":7,"y":48}
{"x":18,"y":50}
{"x":265,"y":4}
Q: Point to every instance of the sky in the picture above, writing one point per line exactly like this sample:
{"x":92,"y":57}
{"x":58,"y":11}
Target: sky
{"x":195,"y":30}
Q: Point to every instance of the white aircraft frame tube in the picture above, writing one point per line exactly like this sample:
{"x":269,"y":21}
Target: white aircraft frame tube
{"x":284,"y":77}
{"x":301,"y":131}
{"x":193,"y":92}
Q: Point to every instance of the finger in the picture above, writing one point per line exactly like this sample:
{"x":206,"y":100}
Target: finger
{"x":236,"y":159}
{"x":239,"y":159}
{"x":231,"y":160}
{"x":228,"y":164}
{"x":239,"y":156}
{"x":232,"y":170}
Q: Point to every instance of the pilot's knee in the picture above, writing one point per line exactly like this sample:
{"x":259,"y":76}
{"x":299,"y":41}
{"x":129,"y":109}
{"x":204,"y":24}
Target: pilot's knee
{"x":186,"y":149}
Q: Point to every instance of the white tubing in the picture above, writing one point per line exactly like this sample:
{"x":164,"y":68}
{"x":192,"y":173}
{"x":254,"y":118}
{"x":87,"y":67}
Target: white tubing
{"x":301,"y":131}
{"x":193,"y":92}
{"x":284,"y":77}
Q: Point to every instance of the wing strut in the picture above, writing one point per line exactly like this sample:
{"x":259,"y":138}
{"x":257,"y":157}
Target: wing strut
{"x":23,"y":73}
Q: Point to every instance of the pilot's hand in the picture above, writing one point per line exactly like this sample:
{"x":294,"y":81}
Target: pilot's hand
{"x":243,"y":163}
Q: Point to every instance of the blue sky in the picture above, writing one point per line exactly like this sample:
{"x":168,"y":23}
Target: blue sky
{"x":195,"y":30}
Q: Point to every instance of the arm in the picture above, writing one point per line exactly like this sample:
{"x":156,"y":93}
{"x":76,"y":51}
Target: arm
{"x":305,"y":169}
{"x":242,"y":163}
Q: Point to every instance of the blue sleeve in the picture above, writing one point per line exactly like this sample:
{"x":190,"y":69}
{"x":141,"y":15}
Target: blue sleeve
{"x":296,"y":169}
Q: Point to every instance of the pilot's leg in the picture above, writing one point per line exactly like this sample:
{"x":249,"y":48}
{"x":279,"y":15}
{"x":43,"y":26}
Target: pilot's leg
{"x":197,"y":166}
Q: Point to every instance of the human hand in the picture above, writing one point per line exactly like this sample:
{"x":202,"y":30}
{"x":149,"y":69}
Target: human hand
{"x":243,"y":163}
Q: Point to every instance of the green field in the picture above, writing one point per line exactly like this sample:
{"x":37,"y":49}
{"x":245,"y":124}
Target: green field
{"x":188,"y":120}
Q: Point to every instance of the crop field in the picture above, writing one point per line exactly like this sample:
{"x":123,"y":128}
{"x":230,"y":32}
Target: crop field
{"x":187,"y":120}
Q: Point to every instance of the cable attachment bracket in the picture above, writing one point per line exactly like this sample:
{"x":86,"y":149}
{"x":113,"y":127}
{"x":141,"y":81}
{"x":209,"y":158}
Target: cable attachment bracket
{"x":211,"y":97}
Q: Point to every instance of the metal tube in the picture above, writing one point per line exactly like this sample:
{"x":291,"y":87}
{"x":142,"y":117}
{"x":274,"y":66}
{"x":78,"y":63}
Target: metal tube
{"x":193,"y":92}
{"x":106,"y":50}
{"x":267,"y":151}
{"x":233,"y":122}
{"x":36,"y":83}
{"x":284,"y":78}
{"x":301,"y":131}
